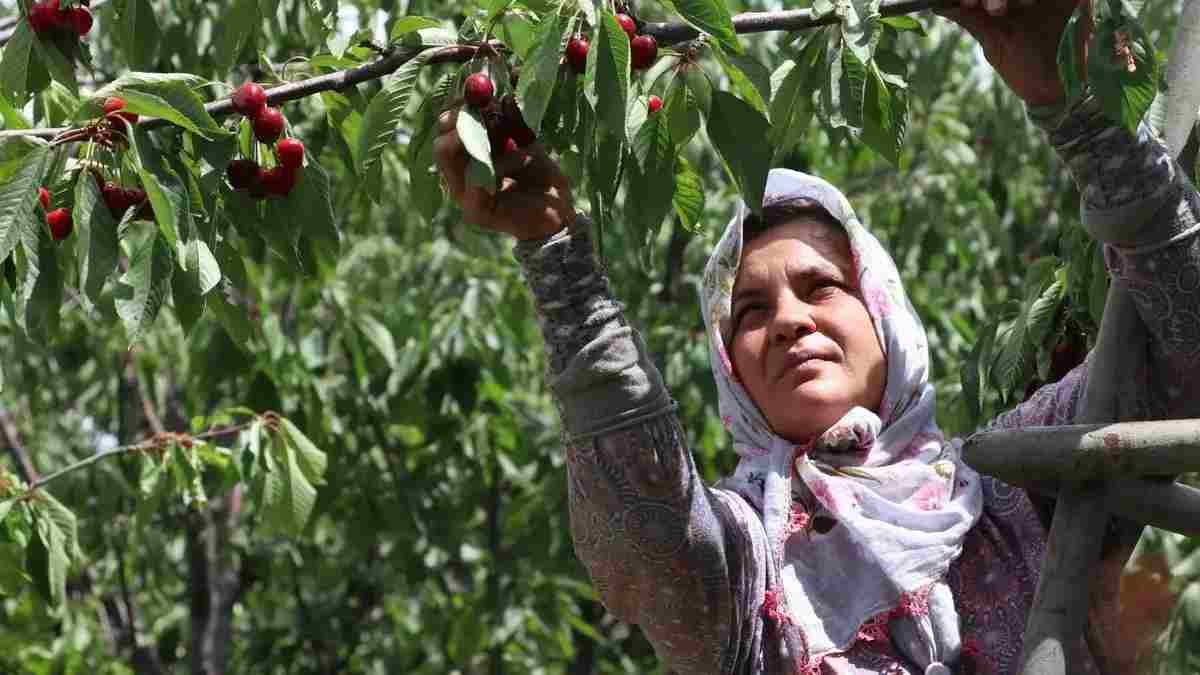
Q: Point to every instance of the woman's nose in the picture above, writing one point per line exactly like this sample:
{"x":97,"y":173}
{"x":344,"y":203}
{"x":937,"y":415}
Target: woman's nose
{"x":794,"y":320}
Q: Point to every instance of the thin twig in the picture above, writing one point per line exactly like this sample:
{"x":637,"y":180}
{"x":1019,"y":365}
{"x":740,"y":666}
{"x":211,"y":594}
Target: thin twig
{"x":126,"y":449}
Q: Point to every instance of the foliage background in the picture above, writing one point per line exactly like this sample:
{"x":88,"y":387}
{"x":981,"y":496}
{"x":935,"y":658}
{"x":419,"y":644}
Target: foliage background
{"x":440,"y":542}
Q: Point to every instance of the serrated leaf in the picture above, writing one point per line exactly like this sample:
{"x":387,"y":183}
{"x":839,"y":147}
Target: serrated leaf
{"x":288,"y":496}
{"x":97,"y":248}
{"x":712,"y":17}
{"x":56,"y":63}
{"x":689,"y":196}
{"x":904,"y":23}
{"x":43,"y":288}
{"x":791,"y":102}
{"x":885,"y":116}
{"x":1069,"y":67}
{"x":14,"y":64}
{"x":651,"y":181}
{"x":474,"y":136}
{"x":379,"y":336}
{"x":742,"y":137}
{"x":860,"y":26}
{"x":141,"y":291}
{"x":137,"y":33}
{"x":682,"y":112}
{"x":309,"y":458}
{"x":610,"y":69}
{"x":65,"y":521}
{"x":750,"y":80}
{"x":170,"y":96}
{"x":409,"y":24}
{"x":18,"y":199}
{"x":238,"y":22}
{"x":378,"y":129}
{"x":539,"y":76}
{"x":311,"y":206}
{"x":199,"y":263}
{"x":46,"y":560}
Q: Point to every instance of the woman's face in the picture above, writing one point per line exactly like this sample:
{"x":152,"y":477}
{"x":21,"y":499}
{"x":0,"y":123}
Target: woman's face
{"x":804,"y":346}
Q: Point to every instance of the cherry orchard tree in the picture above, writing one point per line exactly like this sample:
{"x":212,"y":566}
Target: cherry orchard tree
{"x":269,"y":404}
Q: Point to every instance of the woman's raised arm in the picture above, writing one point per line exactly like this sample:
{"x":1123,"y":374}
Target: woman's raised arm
{"x":651,"y":534}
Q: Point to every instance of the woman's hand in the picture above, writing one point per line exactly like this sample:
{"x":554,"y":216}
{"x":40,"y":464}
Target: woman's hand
{"x":534,"y":199}
{"x":1020,"y":39}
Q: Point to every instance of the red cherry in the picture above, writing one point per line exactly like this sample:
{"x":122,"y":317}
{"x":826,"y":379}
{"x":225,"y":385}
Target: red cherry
{"x":135,"y":196}
{"x":510,"y":145}
{"x":654,"y":105}
{"x":114,"y":103}
{"x":249,"y":99}
{"x":577,"y":51}
{"x":643,"y":51}
{"x":279,"y":180}
{"x":114,"y":198}
{"x":80,"y":20}
{"x":290,"y":153}
{"x":60,"y":223}
{"x":44,"y":16}
{"x":479,"y":90}
{"x":44,"y":198}
{"x":268,"y":125}
{"x":242,"y":173}
{"x":628,"y":25}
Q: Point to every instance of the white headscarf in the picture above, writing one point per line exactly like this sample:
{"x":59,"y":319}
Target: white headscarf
{"x":899,"y":496}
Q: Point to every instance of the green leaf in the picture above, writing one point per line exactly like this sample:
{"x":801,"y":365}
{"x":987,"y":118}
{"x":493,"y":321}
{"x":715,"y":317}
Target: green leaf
{"x":14,"y":65}
{"x":1069,"y":67}
{"x":742,"y":137}
{"x":56,"y":63}
{"x":136,"y":30}
{"x":904,"y":23}
{"x":791,"y":102}
{"x":410,"y":24}
{"x":238,"y":22}
{"x":97,"y":248}
{"x":750,"y":80}
{"x":610,"y":69}
{"x":1124,"y":95}
{"x":5,"y":507}
{"x":689,"y":196}
{"x":141,"y":291}
{"x":651,"y":182}
{"x":65,"y":521}
{"x":379,"y":336}
{"x":290,"y":496}
{"x":885,"y":116}
{"x":46,"y":560}
{"x":312,"y":461}
{"x":199,"y":263}
{"x":19,"y":213}
{"x":171,"y":96}
{"x":682,"y":112}
{"x":860,"y":27}
{"x":310,"y":204}
{"x":43,"y":288}
{"x":473,"y":134}
{"x":378,"y":129}
{"x":540,"y":72}
{"x":712,"y":17}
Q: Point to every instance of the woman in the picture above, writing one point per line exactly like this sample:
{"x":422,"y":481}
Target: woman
{"x":851,"y":538}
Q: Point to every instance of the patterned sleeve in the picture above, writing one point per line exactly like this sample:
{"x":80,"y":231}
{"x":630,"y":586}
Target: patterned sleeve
{"x":652,"y":536}
{"x":1138,"y":201}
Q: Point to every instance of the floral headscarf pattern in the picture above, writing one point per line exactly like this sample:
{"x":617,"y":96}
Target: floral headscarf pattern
{"x":861,"y":541}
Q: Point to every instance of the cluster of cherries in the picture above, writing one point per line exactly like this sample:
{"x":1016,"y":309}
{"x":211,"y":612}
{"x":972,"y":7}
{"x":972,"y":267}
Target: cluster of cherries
{"x":47,"y":15}
{"x":245,"y":174}
{"x":643,"y":49}
{"x":120,"y":199}
{"x":506,"y":128}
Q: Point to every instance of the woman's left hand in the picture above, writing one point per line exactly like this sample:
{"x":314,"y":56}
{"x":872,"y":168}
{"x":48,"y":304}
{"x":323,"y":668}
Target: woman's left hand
{"x":1020,"y":39}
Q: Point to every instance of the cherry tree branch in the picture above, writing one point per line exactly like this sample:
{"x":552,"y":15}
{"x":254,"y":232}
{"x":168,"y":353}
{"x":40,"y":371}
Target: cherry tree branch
{"x":666,"y":33}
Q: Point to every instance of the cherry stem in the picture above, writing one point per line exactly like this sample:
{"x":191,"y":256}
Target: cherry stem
{"x":148,"y":444}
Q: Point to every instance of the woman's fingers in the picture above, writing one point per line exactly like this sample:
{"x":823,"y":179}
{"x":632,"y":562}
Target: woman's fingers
{"x":451,"y":158}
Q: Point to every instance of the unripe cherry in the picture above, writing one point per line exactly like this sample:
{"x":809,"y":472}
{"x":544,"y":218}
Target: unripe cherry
{"x":479,"y":90}
{"x":654,"y":104}
{"x":60,"y":223}
{"x":249,"y":99}
{"x":268,"y":125}
{"x":643,"y":50}
{"x":577,"y":51}
{"x":628,"y":25}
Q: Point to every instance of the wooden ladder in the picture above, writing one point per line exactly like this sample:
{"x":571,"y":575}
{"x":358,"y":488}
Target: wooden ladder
{"x":1094,"y":469}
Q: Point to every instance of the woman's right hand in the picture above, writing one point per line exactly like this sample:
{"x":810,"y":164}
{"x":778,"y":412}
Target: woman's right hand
{"x":534,"y":198}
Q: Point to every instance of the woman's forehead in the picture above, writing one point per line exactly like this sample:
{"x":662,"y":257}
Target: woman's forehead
{"x":806,"y":246}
